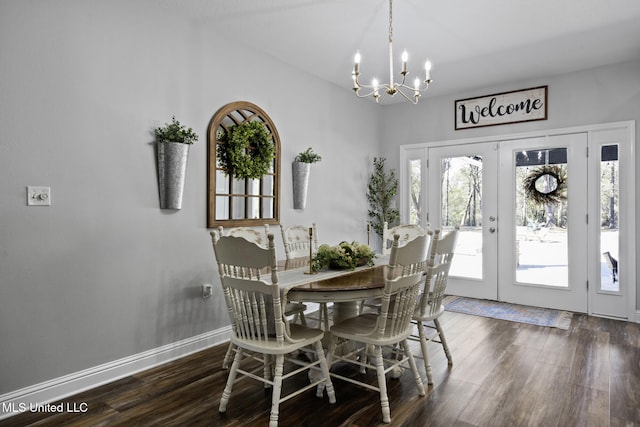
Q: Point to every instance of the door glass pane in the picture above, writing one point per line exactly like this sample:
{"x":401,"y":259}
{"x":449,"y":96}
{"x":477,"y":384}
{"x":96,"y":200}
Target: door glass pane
{"x":541,"y":217}
{"x":462,"y":206}
{"x":609,"y":217}
{"x":416,"y":185}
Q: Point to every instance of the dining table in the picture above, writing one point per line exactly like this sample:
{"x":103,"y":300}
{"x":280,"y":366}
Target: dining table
{"x":346,"y":289}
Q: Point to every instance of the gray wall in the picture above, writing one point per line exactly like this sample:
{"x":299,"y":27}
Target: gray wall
{"x":104,"y":273}
{"x":600,"y":95}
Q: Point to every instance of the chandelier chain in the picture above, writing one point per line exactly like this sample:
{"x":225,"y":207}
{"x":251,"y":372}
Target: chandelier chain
{"x":390,"y":21}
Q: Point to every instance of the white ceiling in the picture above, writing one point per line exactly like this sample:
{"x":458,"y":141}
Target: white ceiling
{"x":471,"y":43}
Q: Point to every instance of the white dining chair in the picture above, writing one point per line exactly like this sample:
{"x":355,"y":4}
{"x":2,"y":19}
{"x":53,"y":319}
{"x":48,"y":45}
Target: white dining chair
{"x":259,"y":328}
{"x":298,"y":244}
{"x":291,"y":309}
{"x":430,"y":307}
{"x":407,"y":232}
{"x":296,"y":240}
{"x":247,"y":233}
{"x":389,"y":328}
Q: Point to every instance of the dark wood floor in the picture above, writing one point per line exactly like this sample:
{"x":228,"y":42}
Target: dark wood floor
{"x":504,"y":374}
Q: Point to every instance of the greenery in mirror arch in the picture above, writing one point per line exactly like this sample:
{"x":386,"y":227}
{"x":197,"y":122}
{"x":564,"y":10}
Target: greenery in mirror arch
{"x":246,"y":151}
{"x":175,"y":132}
{"x":308,"y":156}
{"x":382,"y":189}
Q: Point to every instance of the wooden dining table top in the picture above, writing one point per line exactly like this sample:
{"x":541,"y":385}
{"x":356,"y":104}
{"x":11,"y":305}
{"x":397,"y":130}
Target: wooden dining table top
{"x":333,"y":285}
{"x":369,"y":278}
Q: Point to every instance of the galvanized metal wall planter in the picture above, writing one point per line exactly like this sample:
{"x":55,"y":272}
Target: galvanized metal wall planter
{"x":300,"y":172}
{"x":172,"y":170}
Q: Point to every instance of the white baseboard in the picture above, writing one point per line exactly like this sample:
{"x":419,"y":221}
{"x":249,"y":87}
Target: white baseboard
{"x":46,"y":392}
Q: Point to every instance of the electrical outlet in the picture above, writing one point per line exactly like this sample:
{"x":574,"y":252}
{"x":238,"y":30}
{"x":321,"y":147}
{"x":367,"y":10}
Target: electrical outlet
{"x":207,"y":291}
{"x":38,"y":196}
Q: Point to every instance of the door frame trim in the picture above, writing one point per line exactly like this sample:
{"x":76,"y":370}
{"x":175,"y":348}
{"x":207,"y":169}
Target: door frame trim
{"x":627,"y":241}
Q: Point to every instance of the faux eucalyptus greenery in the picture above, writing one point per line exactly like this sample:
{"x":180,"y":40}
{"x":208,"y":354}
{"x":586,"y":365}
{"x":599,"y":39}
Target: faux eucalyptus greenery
{"x":308,"y":156}
{"x":175,"y":132}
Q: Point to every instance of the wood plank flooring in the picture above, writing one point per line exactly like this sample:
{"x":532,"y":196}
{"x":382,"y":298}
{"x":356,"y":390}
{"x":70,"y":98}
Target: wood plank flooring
{"x":504,"y":374}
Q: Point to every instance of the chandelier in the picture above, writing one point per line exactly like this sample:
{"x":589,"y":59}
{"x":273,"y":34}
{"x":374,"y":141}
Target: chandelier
{"x":392,"y":87}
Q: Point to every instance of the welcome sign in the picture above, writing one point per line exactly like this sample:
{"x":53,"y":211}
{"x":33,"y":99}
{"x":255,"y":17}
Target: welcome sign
{"x":502,"y":108}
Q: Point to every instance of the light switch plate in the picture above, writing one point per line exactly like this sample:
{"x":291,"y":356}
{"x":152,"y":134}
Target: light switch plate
{"x":38,"y":196}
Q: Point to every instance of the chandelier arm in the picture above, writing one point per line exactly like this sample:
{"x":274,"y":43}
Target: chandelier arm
{"x":404,"y":77}
{"x":413,"y":100}
{"x":421,"y":88}
{"x":365,"y":95}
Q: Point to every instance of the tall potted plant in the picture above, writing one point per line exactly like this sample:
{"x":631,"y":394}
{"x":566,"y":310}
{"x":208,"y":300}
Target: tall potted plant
{"x":173,"y":141}
{"x":301,"y":170}
{"x":381,"y":191}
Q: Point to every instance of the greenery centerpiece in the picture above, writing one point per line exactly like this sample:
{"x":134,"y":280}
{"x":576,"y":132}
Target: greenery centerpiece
{"x":343,"y":256}
{"x":247,"y":150}
{"x":301,"y":169}
{"x":173,"y":142}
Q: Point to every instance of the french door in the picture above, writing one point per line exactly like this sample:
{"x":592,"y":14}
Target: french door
{"x":543,"y":215}
{"x":463,"y":193}
{"x":541,"y":218}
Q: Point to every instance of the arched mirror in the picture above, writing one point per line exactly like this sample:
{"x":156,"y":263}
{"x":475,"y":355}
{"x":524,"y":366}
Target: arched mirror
{"x":241,"y":202}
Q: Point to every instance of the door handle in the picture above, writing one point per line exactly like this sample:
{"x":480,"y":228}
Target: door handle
{"x":492,"y":230}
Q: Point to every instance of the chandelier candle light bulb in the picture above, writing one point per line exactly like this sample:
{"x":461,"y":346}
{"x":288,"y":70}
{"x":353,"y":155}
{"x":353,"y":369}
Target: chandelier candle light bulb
{"x":405,"y":57}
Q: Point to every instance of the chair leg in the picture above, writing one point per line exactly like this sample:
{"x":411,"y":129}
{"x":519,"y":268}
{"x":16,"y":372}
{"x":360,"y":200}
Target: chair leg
{"x":277,"y":389}
{"x":414,"y":368}
{"x":425,"y":353}
{"x":382,"y":385}
{"x":226,"y":394}
{"x":267,"y":364}
{"x":363,"y":356}
{"x":228,"y":356}
{"x":327,"y":378}
{"x":443,"y":341}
